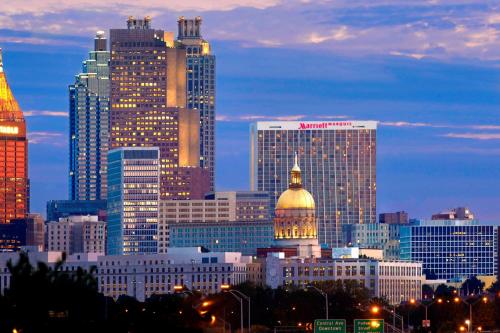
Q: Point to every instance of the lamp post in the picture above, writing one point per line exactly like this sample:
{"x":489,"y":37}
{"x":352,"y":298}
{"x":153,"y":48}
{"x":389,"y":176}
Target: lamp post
{"x":376,"y":309}
{"x":247,"y":298}
{"x":470,"y":304}
{"x":226,"y":287}
{"x":325,"y":295}
{"x":426,"y":305}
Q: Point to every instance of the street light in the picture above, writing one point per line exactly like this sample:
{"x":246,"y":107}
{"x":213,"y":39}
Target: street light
{"x":426,"y":305}
{"x":239,"y":296}
{"x":375,"y":309}
{"x":325,"y":295}
{"x":470,"y":304}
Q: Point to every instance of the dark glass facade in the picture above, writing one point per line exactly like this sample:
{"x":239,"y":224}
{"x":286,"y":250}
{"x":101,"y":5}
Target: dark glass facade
{"x":451,"y":249}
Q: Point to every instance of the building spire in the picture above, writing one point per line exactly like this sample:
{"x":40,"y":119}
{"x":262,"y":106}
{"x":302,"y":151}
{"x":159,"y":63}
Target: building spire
{"x":295,"y":174}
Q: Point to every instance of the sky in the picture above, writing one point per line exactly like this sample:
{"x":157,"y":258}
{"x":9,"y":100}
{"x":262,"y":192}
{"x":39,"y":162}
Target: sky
{"x":427,"y":71}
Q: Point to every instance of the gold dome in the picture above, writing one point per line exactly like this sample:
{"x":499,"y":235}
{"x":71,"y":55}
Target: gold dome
{"x":295,"y":198}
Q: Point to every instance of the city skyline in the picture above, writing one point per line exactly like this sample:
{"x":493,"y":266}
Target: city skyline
{"x":448,"y":147}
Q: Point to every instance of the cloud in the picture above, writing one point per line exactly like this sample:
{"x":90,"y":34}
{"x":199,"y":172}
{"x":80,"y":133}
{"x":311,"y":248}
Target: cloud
{"x":57,"y":139}
{"x":415,"y":29}
{"x":259,"y":117}
{"x":37,"y":113}
{"x":44,"y":7}
{"x":410,"y":124}
{"x":339,"y":34}
{"x":417,"y":56}
{"x":473,"y":136}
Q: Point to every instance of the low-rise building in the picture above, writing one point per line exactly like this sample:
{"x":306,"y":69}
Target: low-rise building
{"x":394,"y":280}
{"x":142,"y":276}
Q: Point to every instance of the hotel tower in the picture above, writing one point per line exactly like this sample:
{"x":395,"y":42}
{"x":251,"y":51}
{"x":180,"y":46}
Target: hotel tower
{"x":338,"y":163}
{"x":13,"y":155}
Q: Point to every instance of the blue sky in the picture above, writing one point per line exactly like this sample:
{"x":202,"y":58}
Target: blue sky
{"x":428,"y":71}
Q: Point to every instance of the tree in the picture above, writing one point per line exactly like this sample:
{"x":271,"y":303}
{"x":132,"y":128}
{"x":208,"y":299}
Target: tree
{"x":472,"y":286}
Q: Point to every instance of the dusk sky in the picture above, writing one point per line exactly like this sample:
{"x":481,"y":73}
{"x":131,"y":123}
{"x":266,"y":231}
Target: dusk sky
{"x":428,"y":71}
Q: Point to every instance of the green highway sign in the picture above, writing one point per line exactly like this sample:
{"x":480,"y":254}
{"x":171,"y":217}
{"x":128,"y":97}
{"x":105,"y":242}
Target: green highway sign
{"x":329,"y":325}
{"x":368,"y":326}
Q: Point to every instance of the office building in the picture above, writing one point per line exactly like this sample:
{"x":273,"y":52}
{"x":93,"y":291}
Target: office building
{"x":394,"y":281}
{"x":148,"y":106}
{"x":200,"y":80}
{"x":228,"y":236}
{"x":217,"y":208}
{"x":13,"y":155}
{"x":393,"y":218}
{"x":133,"y":196}
{"x":381,"y":236}
{"x":35,"y":230}
{"x":142,"y":276}
{"x":29,"y":231}
{"x":451,"y":250}
{"x":12,"y":235}
{"x":338,"y":162}
{"x":57,"y":209}
{"x":89,"y":125}
{"x":77,"y":234}
{"x":459,"y":213}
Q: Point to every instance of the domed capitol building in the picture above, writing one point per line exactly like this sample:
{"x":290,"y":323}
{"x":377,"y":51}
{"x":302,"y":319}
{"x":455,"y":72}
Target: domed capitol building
{"x":295,"y":218}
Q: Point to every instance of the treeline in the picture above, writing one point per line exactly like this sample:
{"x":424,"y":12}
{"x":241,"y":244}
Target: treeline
{"x":49,"y":299}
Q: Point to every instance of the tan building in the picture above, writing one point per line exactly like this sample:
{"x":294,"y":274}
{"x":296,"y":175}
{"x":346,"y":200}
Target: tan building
{"x":77,"y":234}
{"x":148,"y":106}
{"x":217,"y":207}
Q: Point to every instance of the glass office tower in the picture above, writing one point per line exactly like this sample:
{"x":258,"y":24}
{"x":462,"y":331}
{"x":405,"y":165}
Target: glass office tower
{"x":451,"y":249}
{"x":89,"y":123}
{"x":200,"y":81}
{"x":133,"y":197}
{"x":13,"y":155}
{"x":338,"y":162}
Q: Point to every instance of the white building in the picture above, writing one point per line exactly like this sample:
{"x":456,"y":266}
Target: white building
{"x":77,"y":234}
{"x":396,"y":281}
{"x":141,"y":276}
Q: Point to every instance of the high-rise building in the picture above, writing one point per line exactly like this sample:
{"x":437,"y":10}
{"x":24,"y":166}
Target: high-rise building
{"x":338,"y":162}
{"x":133,"y":196}
{"x":77,"y":234}
{"x":148,"y":106}
{"x":451,"y":249}
{"x":200,"y":79}
{"x":13,"y":155}
{"x":89,"y":125}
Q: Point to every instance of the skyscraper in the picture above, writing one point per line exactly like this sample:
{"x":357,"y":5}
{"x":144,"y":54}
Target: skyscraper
{"x":133,"y":198}
{"x":338,"y":162}
{"x":200,"y":87}
{"x":89,"y":123}
{"x":148,"y":106}
{"x":13,"y":155}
